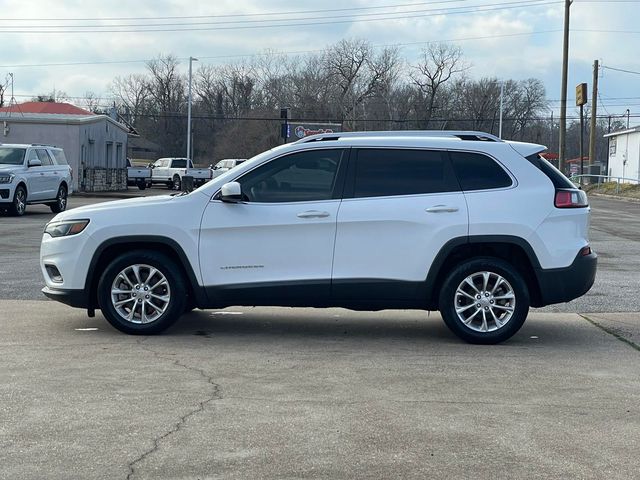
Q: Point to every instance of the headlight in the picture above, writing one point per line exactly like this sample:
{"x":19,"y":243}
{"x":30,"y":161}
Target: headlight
{"x":7,"y":178}
{"x":65,"y":228}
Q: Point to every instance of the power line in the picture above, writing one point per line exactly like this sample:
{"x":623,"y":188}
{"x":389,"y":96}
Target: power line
{"x":621,"y":70}
{"x":294,"y":52}
{"x":293,"y":12}
{"x":109,"y":29}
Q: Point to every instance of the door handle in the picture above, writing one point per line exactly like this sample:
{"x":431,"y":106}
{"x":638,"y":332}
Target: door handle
{"x":41,"y":173}
{"x":313,"y":214}
{"x":441,"y":209}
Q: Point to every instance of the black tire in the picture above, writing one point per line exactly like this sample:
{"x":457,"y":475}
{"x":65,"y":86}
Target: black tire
{"x":176,"y":292}
{"x":512,"y":291}
{"x":142,"y":185}
{"x":19,"y":204}
{"x":177,"y":182}
{"x":60,"y":205}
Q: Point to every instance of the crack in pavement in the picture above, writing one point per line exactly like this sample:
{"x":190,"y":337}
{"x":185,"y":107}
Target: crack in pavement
{"x":216,"y":394}
{"x":611,"y":332}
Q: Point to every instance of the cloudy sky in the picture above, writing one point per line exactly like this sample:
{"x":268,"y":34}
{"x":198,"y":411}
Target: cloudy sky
{"x":80,"y":45}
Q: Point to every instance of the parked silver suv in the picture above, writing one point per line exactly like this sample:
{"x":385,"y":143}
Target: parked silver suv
{"x":33,"y":174}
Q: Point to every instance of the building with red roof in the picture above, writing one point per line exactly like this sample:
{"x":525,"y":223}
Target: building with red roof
{"x":95,"y":145}
{"x":50,"y":108}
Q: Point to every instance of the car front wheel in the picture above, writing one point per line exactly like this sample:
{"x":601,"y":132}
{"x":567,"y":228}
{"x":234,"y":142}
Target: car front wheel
{"x":19,"y":204}
{"x":60,"y":205}
{"x":484,"y":301}
{"x":142,"y":293}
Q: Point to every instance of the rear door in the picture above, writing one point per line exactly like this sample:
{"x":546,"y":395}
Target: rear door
{"x":400,"y":207}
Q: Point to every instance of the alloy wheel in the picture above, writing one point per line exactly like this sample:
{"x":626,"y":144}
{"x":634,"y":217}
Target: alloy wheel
{"x":140,"y":293}
{"x":484,"y":301}
{"x":20,"y":201}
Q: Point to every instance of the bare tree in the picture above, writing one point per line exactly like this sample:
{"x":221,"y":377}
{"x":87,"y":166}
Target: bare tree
{"x":55,"y":96}
{"x":237,"y":82}
{"x":357,"y":73}
{"x":3,"y":89}
{"x":131,"y":94}
{"x":167,"y":101}
{"x":91,"y":102}
{"x":438,"y":63}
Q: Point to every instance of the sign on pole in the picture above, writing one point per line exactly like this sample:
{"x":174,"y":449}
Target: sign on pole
{"x":581,"y":94}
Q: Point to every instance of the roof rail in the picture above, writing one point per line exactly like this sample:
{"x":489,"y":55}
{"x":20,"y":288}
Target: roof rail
{"x":460,"y":134}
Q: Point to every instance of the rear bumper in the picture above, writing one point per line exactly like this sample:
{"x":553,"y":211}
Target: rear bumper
{"x":73,"y":298}
{"x":560,"y":285}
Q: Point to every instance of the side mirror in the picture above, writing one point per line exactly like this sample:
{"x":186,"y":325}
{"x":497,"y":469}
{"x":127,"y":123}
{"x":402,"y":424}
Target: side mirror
{"x":231,"y":192}
{"x":34,"y":163}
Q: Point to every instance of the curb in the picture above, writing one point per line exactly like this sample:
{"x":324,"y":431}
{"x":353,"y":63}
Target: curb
{"x":614,"y":197}
{"x":118,"y":194}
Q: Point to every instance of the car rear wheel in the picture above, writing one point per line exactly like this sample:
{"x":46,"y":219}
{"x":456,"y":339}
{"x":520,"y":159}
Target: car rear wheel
{"x":19,"y":204}
{"x":484,"y":301}
{"x":60,"y":205}
{"x":142,"y":293}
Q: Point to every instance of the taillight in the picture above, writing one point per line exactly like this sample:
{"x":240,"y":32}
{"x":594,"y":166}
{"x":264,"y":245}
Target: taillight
{"x":570,"y":198}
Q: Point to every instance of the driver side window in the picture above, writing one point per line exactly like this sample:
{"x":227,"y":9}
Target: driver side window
{"x":299,"y":177}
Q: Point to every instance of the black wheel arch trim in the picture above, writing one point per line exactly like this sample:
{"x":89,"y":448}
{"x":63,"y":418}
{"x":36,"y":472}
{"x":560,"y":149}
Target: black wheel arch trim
{"x":199,"y":293}
{"x":447,"y":249}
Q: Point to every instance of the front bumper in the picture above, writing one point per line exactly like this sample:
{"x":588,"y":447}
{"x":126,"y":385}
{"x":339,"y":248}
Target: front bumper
{"x":560,"y":285}
{"x":6,"y":192}
{"x":73,"y":298}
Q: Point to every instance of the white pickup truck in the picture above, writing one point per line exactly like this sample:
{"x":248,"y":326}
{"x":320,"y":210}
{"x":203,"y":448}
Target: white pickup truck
{"x":169,"y":171}
{"x":138,"y":176}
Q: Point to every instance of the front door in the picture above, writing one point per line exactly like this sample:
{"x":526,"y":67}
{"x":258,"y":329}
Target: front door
{"x":36,"y":178}
{"x":275,"y":247}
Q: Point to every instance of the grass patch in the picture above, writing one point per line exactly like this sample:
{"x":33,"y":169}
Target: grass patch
{"x":612,"y":188}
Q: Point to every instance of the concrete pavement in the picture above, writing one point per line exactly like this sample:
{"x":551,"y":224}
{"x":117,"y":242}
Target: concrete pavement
{"x":303,"y":393}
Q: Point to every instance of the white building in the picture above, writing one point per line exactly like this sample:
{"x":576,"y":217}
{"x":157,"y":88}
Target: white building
{"x":624,"y":154}
{"x":95,"y":145}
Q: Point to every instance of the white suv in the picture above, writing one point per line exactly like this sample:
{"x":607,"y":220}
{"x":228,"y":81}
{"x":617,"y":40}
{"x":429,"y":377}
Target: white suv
{"x":33,"y":174}
{"x":460,"y":222}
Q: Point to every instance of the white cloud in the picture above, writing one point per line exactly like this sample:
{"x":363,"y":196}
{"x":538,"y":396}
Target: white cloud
{"x":523,"y":54}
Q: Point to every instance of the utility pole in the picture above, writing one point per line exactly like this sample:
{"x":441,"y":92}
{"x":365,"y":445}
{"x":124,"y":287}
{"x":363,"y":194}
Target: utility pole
{"x":501,"y":95}
{"x":594,"y":107}
{"x":563,"y":95}
{"x":191,"y":60}
{"x":581,"y":99}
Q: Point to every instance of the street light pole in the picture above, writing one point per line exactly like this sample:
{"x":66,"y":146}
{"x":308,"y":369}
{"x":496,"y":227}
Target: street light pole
{"x":191,"y":60}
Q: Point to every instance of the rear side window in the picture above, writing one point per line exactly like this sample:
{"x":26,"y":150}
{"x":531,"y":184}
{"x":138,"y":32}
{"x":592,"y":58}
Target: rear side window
{"x":478,"y":172}
{"x":59,"y":157}
{"x":387,"y":172}
{"x":179,"y":164}
{"x":555,"y":175}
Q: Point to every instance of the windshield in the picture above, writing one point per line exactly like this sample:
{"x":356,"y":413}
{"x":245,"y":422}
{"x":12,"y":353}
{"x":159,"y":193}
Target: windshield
{"x":12,"y":156}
